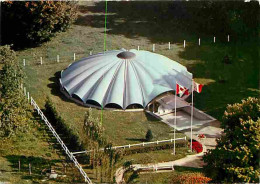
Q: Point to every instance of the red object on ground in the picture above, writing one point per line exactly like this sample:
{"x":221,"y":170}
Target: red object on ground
{"x":197,"y":146}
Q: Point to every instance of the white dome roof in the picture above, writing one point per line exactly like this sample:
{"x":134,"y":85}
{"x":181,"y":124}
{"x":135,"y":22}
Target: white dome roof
{"x":123,"y":77}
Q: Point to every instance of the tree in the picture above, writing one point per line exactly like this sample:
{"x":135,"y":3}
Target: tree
{"x":236,"y":156}
{"x":149,"y":135}
{"x":29,"y":23}
{"x":14,"y":109}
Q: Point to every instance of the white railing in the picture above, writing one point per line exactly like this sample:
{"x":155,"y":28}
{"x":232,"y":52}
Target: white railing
{"x":70,"y":155}
{"x":134,"y":145}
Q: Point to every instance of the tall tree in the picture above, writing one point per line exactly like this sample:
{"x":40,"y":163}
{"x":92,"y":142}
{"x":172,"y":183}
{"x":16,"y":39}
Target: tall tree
{"x":236,"y":156}
{"x":14,"y":110}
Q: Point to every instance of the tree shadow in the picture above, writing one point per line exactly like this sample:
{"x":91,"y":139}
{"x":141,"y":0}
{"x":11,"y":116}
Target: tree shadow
{"x":38,"y":164}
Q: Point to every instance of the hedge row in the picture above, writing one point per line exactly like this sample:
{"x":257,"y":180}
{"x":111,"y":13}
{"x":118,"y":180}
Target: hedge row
{"x":69,"y":136}
{"x":145,"y":149}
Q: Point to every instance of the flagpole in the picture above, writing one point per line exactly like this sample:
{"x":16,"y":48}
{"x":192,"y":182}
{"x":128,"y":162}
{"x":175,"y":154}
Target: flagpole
{"x":191,"y":115}
{"x":175,"y":119}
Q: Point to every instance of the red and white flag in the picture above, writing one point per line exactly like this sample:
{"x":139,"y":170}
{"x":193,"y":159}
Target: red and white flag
{"x":180,"y":90}
{"x":197,"y":87}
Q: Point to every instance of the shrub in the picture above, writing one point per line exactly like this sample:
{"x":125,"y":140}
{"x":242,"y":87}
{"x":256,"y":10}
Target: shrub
{"x":146,"y":149}
{"x":196,"y":146}
{"x":149,"y":135}
{"x":190,"y":178}
{"x":70,"y":137}
{"x":236,"y":156}
{"x":26,"y":23}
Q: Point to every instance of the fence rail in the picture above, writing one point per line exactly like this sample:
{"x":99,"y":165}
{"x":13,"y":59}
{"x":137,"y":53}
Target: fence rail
{"x":133,"y":145}
{"x":70,"y":155}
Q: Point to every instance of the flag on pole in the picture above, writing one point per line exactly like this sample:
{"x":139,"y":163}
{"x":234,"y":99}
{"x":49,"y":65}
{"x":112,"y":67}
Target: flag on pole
{"x":180,"y":90}
{"x":197,"y":87}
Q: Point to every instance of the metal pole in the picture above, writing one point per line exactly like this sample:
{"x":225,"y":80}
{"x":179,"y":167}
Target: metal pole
{"x":138,"y":47}
{"x":228,"y":38}
{"x":184,"y":43}
{"x":153,"y":47}
{"x":58,"y":58}
{"x":23,"y":62}
{"x":199,"y":41}
{"x":74,"y":56}
{"x":90,"y":52}
{"x":24,"y":89}
{"x":169,"y":45}
{"x":214,"y":39}
{"x":191,"y":115}
{"x":175,"y":119}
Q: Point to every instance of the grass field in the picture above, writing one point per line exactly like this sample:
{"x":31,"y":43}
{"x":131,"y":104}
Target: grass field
{"x":35,"y":147}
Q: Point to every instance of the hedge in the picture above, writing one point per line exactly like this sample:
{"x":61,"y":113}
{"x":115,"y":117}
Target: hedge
{"x":69,"y":136}
{"x":145,"y":149}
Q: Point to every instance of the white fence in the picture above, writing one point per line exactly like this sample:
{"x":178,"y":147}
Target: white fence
{"x":134,"y":145}
{"x":77,"y":55}
{"x":70,"y":155}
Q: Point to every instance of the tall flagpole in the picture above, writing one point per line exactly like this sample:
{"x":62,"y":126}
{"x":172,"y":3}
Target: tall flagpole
{"x":105,"y":36}
{"x":191,"y":115}
{"x":175,"y":119}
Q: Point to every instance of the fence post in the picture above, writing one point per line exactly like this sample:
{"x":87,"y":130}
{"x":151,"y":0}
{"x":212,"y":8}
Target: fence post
{"x":171,"y":140}
{"x":138,"y":47}
{"x":228,"y":38}
{"x":157,"y":141}
{"x":199,"y":41}
{"x":153,"y":47}
{"x":30,"y":169}
{"x":23,"y":62}
{"x":184,"y":43}
{"x":143,"y":143}
{"x":58,"y":58}
{"x":41,"y":60}
{"x":74,"y":56}
{"x":21,"y":85}
{"x":24,"y":89}
{"x":214,"y":39}
{"x":129,"y":145}
{"x":28,"y":96}
{"x":90,"y":52}
{"x":19,"y":165}
{"x":169,"y":45}
{"x":185,"y":138}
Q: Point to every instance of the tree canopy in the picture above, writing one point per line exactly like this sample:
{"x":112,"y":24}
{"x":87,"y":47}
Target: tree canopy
{"x":236,"y":156}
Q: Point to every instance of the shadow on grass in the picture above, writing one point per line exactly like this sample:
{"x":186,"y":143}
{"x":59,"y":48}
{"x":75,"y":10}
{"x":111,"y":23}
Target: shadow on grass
{"x":38,"y":164}
{"x":229,"y":83}
{"x":136,"y":139}
{"x":187,"y":169}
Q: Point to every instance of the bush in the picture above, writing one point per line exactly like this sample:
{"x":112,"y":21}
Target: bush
{"x":236,"y":156}
{"x":70,"y":137}
{"x":190,"y":178}
{"x":146,"y":149}
{"x":28,"y":23}
{"x":196,"y":146}
{"x":149,"y":135}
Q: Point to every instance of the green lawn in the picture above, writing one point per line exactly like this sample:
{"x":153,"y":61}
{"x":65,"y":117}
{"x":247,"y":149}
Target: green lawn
{"x":36,"y":147}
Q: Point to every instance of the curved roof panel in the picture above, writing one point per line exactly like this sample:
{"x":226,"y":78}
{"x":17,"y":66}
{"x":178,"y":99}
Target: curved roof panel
{"x":123,"y":77}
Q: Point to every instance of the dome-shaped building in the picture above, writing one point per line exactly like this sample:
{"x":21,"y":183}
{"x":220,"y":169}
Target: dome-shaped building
{"x":122,"y":78}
